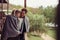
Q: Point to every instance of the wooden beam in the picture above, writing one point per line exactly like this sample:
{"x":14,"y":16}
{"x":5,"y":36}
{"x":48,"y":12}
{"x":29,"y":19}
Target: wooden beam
{"x":7,"y":6}
{"x":24,"y":3}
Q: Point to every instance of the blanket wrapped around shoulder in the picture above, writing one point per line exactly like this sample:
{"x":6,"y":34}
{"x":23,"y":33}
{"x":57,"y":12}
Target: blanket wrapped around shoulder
{"x":10,"y":28}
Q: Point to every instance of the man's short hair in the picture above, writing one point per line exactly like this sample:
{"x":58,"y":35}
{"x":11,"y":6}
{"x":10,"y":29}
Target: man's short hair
{"x":24,"y":9}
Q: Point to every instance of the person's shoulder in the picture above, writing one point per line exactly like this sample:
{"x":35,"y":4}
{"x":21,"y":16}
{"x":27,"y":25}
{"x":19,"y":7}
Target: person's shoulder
{"x":8,"y":16}
{"x":26,"y":17}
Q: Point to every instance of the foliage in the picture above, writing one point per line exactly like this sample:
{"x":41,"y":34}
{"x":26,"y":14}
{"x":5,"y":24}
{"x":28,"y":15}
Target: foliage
{"x":37,"y":22}
{"x":49,"y":12}
{"x":39,"y":16}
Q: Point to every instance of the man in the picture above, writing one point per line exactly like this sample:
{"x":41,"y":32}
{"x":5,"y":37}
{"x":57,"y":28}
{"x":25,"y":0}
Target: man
{"x":10,"y":31}
{"x":25,"y":24}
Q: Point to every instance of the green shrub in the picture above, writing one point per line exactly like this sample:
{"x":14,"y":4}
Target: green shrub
{"x":37,"y":22}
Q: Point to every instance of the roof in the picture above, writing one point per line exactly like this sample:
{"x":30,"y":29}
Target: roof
{"x":4,"y":1}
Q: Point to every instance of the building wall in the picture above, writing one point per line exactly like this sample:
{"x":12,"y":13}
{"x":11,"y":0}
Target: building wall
{"x":4,"y":6}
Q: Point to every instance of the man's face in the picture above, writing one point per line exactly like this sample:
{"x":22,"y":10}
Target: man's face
{"x":23,"y":13}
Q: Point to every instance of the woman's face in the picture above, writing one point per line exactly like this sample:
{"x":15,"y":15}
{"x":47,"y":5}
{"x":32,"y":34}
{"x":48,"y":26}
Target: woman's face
{"x":18,"y":15}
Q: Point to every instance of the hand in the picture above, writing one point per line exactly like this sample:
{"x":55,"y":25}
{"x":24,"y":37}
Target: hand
{"x":19,"y":32}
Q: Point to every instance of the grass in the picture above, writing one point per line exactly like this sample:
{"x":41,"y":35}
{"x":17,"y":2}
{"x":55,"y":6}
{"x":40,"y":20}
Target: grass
{"x":52,"y":33}
{"x":34,"y":37}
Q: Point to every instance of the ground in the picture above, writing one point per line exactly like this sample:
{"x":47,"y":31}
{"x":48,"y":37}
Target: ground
{"x":49,"y":36}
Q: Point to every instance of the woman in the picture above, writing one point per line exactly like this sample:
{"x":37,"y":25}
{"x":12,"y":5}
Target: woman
{"x":10,"y":30}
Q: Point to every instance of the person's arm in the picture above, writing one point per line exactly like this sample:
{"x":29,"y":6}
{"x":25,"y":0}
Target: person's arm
{"x":27,"y":28}
{"x":15,"y":25}
{"x":12,"y":25}
{"x":28,"y":24}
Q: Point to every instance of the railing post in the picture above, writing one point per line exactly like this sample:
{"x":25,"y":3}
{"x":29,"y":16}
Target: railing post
{"x":24,"y":3}
{"x":7,"y":6}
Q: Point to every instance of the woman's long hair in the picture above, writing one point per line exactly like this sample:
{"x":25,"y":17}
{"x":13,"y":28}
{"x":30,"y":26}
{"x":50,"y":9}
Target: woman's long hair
{"x":13,"y":13}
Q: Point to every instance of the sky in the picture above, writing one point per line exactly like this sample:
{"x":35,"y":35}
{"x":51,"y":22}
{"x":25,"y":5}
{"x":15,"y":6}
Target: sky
{"x":35,"y":3}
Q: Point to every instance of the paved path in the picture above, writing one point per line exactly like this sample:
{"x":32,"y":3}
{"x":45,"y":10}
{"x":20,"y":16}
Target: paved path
{"x":47,"y":37}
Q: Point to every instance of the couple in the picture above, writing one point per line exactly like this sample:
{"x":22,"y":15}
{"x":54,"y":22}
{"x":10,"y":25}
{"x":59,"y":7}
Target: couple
{"x":16,"y":25}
